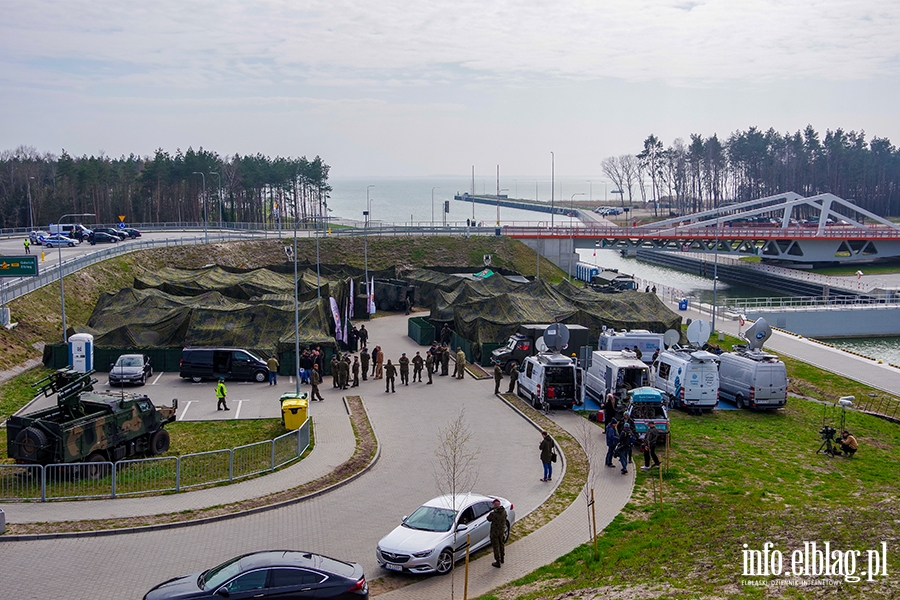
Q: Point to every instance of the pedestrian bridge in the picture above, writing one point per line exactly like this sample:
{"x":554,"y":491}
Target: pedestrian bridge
{"x":775,"y":227}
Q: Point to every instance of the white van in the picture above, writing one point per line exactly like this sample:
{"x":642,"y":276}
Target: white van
{"x":752,"y":379}
{"x":72,"y":230}
{"x":689,"y":378}
{"x":616,"y":373}
{"x":551,"y":378}
{"x":647,"y":342}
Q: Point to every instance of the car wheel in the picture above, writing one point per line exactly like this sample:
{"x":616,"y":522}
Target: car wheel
{"x":535,"y":402}
{"x":260,"y":377}
{"x":739,"y":401}
{"x":444,"y":562}
{"x":93,"y":470}
{"x":506,"y":533}
{"x":159,"y":442}
{"x":144,"y":379}
{"x":196,"y":379}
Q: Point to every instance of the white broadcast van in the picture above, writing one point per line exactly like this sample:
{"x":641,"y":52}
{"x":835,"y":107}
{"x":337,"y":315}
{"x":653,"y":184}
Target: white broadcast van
{"x":688,"y":377}
{"x":616,"y":373}
{"x":646,"y":341}
{"x":750,"y":377}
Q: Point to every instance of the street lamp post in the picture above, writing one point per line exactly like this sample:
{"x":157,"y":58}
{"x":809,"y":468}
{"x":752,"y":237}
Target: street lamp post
{"x":62,"y":290}
{"x":498,"y":204}
{"x":432,"y":204}
{"x":591,"y":190}
{"x":205,"y":232}
{"x":715,"y":276}
{"x":366,"y":240}
{"x":30,"y":207}
{"x":219,"y":195}
{"x":572,"y":226}
{"x":552,"y":186}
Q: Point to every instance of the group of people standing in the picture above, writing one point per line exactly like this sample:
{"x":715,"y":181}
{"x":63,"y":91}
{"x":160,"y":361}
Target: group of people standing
{"x":621,"y":438}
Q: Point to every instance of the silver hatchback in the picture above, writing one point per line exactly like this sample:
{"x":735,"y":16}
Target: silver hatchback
{"x":434,"y":537}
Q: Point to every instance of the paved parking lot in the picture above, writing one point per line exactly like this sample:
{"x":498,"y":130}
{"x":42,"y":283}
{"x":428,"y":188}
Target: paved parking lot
{"x":346,"y":522}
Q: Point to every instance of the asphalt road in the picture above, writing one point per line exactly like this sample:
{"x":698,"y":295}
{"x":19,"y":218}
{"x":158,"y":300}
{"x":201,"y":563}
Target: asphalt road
{"x":346,"y":523}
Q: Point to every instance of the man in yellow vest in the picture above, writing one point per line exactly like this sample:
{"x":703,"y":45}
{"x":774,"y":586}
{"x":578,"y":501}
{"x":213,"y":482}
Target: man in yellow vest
{"x":220,"y":394}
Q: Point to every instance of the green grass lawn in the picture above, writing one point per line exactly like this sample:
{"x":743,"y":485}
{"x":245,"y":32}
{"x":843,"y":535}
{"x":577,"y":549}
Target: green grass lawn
{"x":734,"y":478}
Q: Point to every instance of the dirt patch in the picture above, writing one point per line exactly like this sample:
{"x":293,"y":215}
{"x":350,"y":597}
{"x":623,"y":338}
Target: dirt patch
{"x":366,"y":447}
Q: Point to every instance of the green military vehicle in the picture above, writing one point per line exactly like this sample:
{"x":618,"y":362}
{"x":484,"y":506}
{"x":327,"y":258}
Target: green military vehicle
{"x":87,"y":426}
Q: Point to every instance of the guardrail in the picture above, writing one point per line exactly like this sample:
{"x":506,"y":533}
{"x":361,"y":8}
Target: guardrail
{"x":812,"y":302}
{"x":148,"y":476}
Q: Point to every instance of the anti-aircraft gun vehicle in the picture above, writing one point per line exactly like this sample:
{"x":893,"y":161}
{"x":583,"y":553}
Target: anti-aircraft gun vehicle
{"x":87,"y":426}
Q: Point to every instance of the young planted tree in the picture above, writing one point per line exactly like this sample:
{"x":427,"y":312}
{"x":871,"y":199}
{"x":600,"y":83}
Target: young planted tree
{"x":456,"y":468}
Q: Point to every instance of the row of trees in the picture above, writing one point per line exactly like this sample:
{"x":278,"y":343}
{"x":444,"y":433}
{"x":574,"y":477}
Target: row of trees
{"x":40,"y":188}
{"x":705,"y":172}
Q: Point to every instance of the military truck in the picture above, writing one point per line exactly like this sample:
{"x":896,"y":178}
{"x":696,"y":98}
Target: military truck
{"x":521,"y":345}
{"x":87,"y":426}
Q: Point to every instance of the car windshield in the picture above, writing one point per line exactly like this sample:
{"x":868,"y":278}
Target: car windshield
{"x":129,"y":361}
{"x":430,"y":518}
{"x":219,"y":575}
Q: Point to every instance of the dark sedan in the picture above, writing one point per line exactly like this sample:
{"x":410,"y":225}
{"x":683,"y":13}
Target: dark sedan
{"x":118,"y":233}
{"x":283,"y":574}
{"x":132,"y":232}
{"x":100,"y":237}
{"x":130,"y":368}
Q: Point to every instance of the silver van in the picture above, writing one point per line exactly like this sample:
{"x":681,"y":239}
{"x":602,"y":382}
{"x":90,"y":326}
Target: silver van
{"x":752,"y":379}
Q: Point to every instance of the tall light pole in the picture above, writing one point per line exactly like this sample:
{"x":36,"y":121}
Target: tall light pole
{"x":715,"y":276}
{"x":205,"y":232}
{"x":552,"y":185}
{"x":30,"y":208}
{"x":62,"y":290}
{"x":432,"y":204}
{"x":572,"y":225}
{"x":591,"y":189}
{"x":296,"y":311}
{"x":366,"y":240}
{"x":219,"y":195}
{"x":498,"y":204}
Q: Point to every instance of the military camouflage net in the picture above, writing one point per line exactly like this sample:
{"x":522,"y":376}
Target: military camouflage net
{"x":216,"y":307}
{"x":490,"y":311}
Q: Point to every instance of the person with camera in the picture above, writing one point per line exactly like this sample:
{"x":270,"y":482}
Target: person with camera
{"x":849,"y":445}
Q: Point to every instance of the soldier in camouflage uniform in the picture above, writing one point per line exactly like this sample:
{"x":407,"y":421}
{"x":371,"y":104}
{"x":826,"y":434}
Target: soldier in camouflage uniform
{"x":497,"y":519}
{"x":390,"y":372}
{"x":417,"y":362}
{"x":364,"y":362}
{"x":498,"y":377}
{"x":429,"y":366}
{"x":314,"y":380}
{"x":335,"y":376}
{"x":460,"y":370}
{"x":355,"y":371}
{"x":513,"y":377}
{"x":445,"y":360}
{"x":404,"y":369}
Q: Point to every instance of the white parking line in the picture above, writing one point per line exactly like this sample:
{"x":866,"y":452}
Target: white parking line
{"x":157,"y":378}
{"x":237,"y":415}
{"x":186,"y":407}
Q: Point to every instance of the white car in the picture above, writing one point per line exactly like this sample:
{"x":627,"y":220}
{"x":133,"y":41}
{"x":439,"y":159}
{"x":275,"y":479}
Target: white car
{"x":59,"y":240}
{"x":434,"y":537}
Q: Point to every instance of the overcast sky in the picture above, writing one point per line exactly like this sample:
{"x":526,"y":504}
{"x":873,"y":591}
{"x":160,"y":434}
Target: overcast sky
{"x":422,"y":88}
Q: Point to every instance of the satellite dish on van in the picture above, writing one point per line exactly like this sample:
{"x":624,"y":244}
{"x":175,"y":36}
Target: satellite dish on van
{"x":540,"y":345}
{"x":698,"y":333}
{"x":670,"y":338}
{"x":556,"y":336}
{"x":757,"y":335}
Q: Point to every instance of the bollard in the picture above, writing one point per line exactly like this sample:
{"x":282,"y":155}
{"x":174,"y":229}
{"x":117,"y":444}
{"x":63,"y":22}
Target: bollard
{"x":2,"y":522}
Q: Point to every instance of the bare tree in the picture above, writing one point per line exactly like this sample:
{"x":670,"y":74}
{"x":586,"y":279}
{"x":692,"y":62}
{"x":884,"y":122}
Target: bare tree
{"x":587,"y":436}
{"x":612,"y":168}
{"x":629,"y":165}
{"x":456,"y":469}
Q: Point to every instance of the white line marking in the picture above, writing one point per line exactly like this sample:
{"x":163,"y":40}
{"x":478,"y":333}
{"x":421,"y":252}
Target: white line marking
{"x":237,"y":415}
{"x":157,"y":378}
{"x":186,"y":407}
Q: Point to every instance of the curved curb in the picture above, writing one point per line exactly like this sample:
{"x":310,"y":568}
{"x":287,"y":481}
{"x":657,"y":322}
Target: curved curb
{"x":206,"y":520}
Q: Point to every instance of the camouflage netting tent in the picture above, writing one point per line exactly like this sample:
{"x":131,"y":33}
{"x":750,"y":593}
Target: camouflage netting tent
{"x":490,"y":311}
{"x":217,"y":307}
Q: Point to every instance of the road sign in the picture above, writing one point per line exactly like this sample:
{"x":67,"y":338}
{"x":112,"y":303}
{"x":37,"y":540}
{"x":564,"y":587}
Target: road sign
{"x":122,"y":218}
{"x":121,"y":225}
{"x":18,"y":266}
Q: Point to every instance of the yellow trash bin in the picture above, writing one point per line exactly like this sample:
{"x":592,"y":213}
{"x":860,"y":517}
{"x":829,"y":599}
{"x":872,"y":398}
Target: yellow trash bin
{"x":294,"y":411}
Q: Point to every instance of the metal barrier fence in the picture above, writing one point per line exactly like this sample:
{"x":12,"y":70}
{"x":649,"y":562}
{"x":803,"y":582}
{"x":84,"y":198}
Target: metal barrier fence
{"x":80,"y":481}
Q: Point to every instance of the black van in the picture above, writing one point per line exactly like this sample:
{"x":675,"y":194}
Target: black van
{"x":230,"y":363}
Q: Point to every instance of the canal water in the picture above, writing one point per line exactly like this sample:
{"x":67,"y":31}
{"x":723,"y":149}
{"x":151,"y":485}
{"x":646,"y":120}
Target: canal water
{"x":886,"y":349}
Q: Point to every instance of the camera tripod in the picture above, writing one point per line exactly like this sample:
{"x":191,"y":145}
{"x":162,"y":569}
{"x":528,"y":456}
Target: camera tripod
{"x":828,"y":447}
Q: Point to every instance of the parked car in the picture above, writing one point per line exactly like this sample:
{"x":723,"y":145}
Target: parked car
{"x":117,"y":233}
{"x":272,"y":573}
{"x":101,"y":237}
{"x":130,"y":368}
{"x":37,"y":237}
{"x":56,"y":240}
{"x":132,"y":232}
{"x":231,"y":363}
{"x":424,"y":541}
